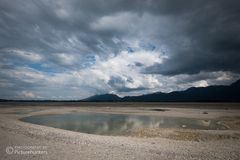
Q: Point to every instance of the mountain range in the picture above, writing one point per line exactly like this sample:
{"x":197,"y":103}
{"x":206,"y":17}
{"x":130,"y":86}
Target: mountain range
{"x":217,"y":93}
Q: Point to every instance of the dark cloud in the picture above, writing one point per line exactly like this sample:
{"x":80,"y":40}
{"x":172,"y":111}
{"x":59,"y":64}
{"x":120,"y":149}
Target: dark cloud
{"x":119,"y":84}
{"x":42,"y":39}
{"x":212,"y":41}
{"x":138,"y":64}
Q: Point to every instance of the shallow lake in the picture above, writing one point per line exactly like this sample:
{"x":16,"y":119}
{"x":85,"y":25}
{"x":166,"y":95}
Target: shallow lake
{"x":117,"y":124}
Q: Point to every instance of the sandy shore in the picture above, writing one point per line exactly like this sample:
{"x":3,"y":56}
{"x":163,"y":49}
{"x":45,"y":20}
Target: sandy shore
{"x":168,"y":144}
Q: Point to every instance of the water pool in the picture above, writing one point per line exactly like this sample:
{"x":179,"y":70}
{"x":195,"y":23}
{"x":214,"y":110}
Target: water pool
{"x":116,"y":124}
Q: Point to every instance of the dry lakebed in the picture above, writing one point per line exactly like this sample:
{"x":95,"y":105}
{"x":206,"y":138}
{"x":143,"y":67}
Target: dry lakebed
{"x":101,"y":131}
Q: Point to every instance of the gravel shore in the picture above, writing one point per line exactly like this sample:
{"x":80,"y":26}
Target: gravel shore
{"x":168,"y":144}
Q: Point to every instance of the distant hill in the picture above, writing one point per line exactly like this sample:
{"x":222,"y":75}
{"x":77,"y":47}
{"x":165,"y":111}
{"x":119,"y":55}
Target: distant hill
{"x":103,"y":97}
{"x":218,"y":93}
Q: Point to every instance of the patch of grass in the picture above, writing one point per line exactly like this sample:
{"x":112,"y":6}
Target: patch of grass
{"x":180,"y":135}
{"x":231,"y":122}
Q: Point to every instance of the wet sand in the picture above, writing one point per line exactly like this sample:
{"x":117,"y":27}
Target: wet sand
{"x":140,"y":144}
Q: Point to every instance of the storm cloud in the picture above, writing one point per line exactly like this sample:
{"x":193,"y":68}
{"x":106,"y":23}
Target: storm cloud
{"x":71,"y":49}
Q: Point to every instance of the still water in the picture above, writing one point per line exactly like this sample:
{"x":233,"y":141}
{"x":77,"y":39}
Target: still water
{"x":116,"y":124}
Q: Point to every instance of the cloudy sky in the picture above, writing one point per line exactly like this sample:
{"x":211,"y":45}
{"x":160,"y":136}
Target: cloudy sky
{"x":72,"y":49}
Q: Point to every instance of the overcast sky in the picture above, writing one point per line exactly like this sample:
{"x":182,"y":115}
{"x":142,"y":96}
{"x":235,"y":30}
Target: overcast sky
{"x":72,"y":49}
